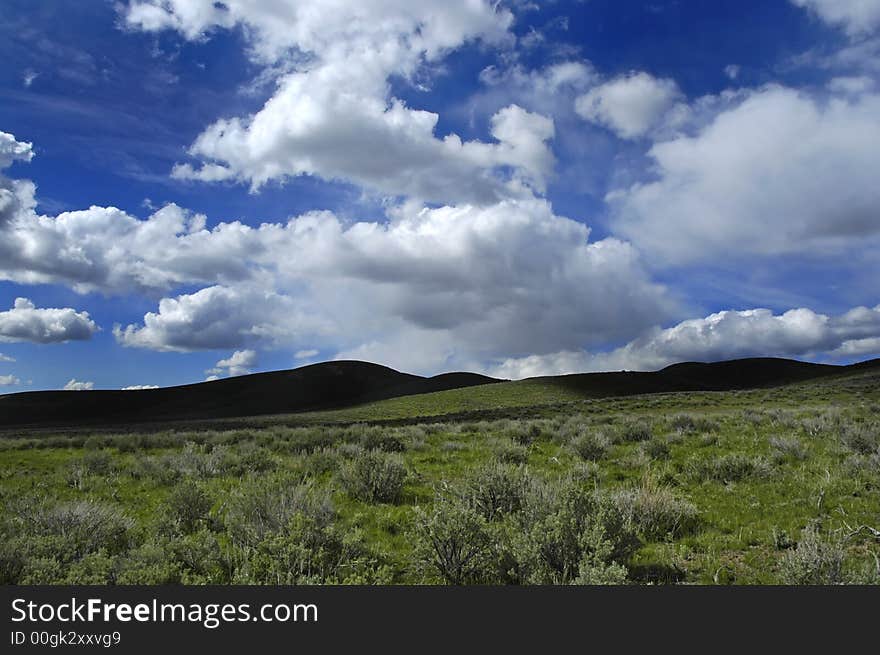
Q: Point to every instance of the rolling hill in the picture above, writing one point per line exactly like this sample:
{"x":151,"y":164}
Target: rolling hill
{"x":342,"y":385}
{"x":318,"y":386}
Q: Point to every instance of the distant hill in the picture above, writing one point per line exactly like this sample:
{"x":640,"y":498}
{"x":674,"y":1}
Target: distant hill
{"x":318,"y":386}
{"x":695,"y":376}
{"x":346,"y":384}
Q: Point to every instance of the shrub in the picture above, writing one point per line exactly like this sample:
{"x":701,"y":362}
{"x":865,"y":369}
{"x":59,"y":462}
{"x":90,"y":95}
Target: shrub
{"x":187,"y":506}
{"x":148,"y":564}
{"x":525,"y":434}
{"x":96,"y":462}
{"x":590,"y":446}
{"x":787,"y":448}
{"x":656,"y":511}
{"x":251,"y":458}
{"x":73,"y":529}
{"x":263,"y":507}
{"x":374,"y":477}
{"x":387,"y":443}
{"x":309,"y":553}
{"x":320,"y":462}
{"x":571,"y":534}
{"x":691,"y":423}
{"x":453,"y":543}
{"x":12,"y":562}
{"x":815,"y":560}
{"x":656,"y":448}
{"x":510,"y":453}
{"x":862,"y":439}
{"x":496,"y":489}
{"x":633,"y":431}
{"x":731,"y":468}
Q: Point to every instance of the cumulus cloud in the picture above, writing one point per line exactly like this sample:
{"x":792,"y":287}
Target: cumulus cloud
{"x":76,"y":385}
{"x":140,"y":387}
{"x":779,"y":171}
{"x":220,"y":317}
{"x":12,"y":150}
{"x":6,"y":358}
{"x":631,"y":105}
{"x":719,"y":336}
{"x":241,"y":362}
{"x":9,"y":381}
{"x":512,"y":277}
{"x":26,"y":322}
{"x":306,"y":354}
{"x":332,"y":113}
{"x":337,"y":135}
{"x":410,"y":29}
{"x":507,"y":277}
{"x":549,"y":90}
{"x":856,"y":17}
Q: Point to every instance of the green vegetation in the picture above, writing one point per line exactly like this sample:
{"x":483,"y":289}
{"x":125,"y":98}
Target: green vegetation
{"x":520,"y":483}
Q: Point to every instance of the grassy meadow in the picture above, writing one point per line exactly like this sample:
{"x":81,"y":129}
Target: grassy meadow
{"x":519,"y":483}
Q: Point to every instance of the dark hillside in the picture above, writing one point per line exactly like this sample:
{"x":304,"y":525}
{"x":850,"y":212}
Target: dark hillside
{"x":318,"y":386}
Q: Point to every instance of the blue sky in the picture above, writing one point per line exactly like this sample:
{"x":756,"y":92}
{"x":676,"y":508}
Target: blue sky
{"x":195,"y":189}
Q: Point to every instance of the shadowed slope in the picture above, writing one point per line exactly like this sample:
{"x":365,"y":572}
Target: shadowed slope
{"x":696,"y":376}
{"x":318,"y":386}
{"x":373,"y":392}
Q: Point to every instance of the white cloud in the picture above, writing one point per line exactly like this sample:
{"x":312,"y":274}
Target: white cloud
{"x":28,"y":77}
{"x":852,"y":85}
{"x":332,"y":113}
{"x":9,"y":381}
{"x":220,"y":317}
{"x":6,"y":358}
{"x":778,"y":172}
{"x":732,"y":71}
{"x":511,"y":277}
{"x":408,"y":29}
{"x":632,"y":105}
{"x":140,"y":387}
{"x":241,"y":362}
{"x":504,"y":278}
{"x":318,"y":126}
{"x":856,"y":17}
{"x":26,"y":322}
{"x":306,"y":354}
{"x":76,"y":385}
{"x":724,"y":335}
{"x":12,"y":150}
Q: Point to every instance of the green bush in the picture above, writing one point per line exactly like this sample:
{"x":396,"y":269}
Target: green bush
{"x":453,"y":543}
{"x":790,"y":448}
{"x":633,"y":431}
{"x":384,"y":441}
{"x":374,"y":477}
{"x":816,"y":560}
{"x":262,"y":507}
{"x":656,"y":511}
{"x":656,"y":448}
{"x":731,"y":468}
{"x":96,"y":462}
{"x":572,"y":534}
{"x":496,"y":489}
{"x":590,"y":446}
{"x":860,"y":438}
{"x":512,"y":453}
{"x":71,"y":530}
{"x":187,"y":506}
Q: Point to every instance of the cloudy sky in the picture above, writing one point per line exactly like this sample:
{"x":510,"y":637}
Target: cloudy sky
{"x":194,"y":189}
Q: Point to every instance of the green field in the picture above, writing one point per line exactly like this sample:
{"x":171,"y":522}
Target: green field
{"x":515,"y":483}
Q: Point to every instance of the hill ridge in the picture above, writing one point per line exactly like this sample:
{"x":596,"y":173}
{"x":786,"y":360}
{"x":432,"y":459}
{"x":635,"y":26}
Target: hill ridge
{"x":348,"y":383}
